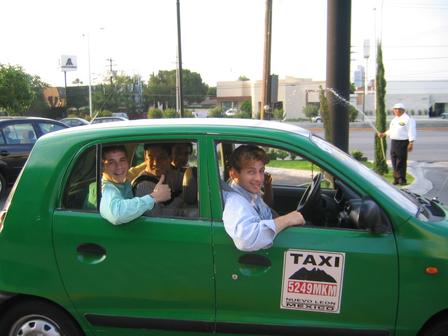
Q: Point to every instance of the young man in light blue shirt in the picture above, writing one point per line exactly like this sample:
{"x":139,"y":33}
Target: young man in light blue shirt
{"x":247,"y":218}
{"x":118,"y":204}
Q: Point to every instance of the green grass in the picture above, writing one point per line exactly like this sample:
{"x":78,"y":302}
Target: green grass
{"x":306,"y":165}
{"x":290,"y":164}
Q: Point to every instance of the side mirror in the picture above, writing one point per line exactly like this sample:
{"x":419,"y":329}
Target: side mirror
{"x":373,"y":218}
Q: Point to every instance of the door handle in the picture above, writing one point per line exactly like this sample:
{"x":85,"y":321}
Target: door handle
{"x":4,"y":153}
{"x":255,"y":260}
{"x":91,"y":253}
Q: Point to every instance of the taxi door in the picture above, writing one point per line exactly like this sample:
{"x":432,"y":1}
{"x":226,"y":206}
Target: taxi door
{"x":150,"y":276}
{"x":312,"y":281}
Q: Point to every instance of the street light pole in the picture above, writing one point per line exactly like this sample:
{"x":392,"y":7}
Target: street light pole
{"x":366,"y":72}
{"x":90,"y":72}
{"x":90,"y":76}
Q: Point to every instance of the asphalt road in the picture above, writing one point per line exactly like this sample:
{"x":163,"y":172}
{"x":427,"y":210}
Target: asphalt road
{"x":428,"y":162}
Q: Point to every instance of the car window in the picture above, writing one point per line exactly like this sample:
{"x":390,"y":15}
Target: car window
{"x":292,"y":174}
{"x":46,"y":127}
{"x":22,"y":133}
{"x":81,"y":190}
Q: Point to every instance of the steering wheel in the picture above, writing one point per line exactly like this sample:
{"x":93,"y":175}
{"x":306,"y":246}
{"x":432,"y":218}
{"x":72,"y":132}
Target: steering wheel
{"x":154,"y":180}
{"x":310,"y":198}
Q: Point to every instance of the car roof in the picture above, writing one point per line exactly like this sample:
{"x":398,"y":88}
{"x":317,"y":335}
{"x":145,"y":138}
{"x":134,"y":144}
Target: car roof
{"x":20,"y":118}
{"x":175,"y":125}
{"x":102,"y":118}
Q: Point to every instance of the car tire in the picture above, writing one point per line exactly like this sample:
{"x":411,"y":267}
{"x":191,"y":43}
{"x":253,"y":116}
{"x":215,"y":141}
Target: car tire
{"x":34,"y":317}
{"x":439,"y":328}
{"x":3,"y":186}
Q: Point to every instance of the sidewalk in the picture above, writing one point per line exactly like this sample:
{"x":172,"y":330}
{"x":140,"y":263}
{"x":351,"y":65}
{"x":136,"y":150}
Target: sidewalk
{"x":431,"y":179}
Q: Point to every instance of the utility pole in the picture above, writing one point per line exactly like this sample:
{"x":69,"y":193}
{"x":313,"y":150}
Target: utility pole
{"x":338,"y":68}
{"x":110,"y":60}
{"x":179,"y":91}
{"x":266,"y":106}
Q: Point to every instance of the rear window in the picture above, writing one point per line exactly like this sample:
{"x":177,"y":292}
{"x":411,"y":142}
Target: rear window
{"x":49,"y":127}
{"x":80,"y":191}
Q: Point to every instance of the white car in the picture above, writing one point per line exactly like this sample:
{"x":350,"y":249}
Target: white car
{"x":316,"y":119}
{"x":231,"y":112}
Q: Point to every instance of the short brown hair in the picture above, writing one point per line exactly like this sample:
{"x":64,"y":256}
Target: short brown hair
{"x":113,"y":148}
{"x":246,"y":153}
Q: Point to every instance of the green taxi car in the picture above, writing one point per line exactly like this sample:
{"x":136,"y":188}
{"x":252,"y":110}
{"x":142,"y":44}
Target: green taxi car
{"x":371,"y":260}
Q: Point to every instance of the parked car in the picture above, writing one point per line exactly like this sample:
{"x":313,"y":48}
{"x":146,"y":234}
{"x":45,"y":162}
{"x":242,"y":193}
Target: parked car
{"x":17,"y":138}
{"x":73,"y":122}
{"x":121,"y":115}
{"x":372,"y":259}
{"x":231,"y":112}
{"x":107,"y":119}
{"x":444,"y":115}
{"x":316,"y":119}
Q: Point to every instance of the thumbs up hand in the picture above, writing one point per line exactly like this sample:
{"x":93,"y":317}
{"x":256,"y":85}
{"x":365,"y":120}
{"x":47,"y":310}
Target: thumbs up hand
{"x":161,"y":192}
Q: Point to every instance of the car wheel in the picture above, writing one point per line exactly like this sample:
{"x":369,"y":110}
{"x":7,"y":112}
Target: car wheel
{"x":35,"y":317}
{"x":3,"y":185}
{"x":439,"y":328}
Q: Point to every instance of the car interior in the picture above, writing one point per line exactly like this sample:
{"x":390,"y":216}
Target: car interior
{"x":81,"y":191}
{"x":323,"y":199}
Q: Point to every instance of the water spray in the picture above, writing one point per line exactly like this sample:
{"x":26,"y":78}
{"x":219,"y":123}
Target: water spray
{"x":345,"y":101}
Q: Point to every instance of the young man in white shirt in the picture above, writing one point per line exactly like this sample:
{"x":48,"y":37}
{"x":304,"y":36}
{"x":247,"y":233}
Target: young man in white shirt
{"x":248,"y":220}
{"x":402,"y":132}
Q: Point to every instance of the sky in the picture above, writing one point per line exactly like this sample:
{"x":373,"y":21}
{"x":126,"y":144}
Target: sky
{"x":221,"y":39}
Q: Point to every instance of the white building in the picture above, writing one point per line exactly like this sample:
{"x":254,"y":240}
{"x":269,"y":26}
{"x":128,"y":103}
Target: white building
{"x":420,"y":97}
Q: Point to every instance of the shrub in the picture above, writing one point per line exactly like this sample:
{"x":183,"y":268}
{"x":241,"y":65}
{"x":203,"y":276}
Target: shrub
{"x":243,"y":115}
{"x":352,"y":113}
{"x":282,"y":154}
{"x":215,"y":112}
{"x":170,"y":113}
{"x":311,"y":110}
{"x":358,"y":155}
{"x":155,"y":113}
{"x":246,"y":106}
{"x":272,"y":154}
{"x":278,"y":114}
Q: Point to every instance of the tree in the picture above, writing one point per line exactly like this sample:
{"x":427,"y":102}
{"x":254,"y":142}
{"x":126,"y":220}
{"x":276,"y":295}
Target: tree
{"x":380,"y":165}
{"x":352,"y":113}
{"x":246,"y":106}
{"x":18,"y":90}
{"x":325,"y":113}
{"x":243,"y":78}
{"x":161,"y":89}
{"x":211,"y":91}
{"x":311,"y":110}
{"x":124,"y":94}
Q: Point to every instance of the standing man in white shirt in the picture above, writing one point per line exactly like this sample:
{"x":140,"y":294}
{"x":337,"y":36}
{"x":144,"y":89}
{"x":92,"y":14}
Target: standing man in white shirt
{"x":402,"y":132}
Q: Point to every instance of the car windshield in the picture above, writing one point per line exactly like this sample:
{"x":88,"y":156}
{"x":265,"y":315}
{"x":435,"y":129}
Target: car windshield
{"x":399,"y":197}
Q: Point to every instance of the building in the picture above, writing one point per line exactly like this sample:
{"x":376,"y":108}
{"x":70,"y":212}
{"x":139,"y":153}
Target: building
{"x":293,"y":95}
{"x":420,"y":97}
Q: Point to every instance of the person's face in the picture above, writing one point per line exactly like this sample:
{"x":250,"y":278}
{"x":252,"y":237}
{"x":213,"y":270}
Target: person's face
{"x":116,"y":166}
{"x":398,"y":112}
{"x":180,"y":155}
{"x":157,"y":161}
{"x":251,"y":176}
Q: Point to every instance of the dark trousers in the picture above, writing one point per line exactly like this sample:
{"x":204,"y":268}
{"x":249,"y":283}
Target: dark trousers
{"x":399,"y":157}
